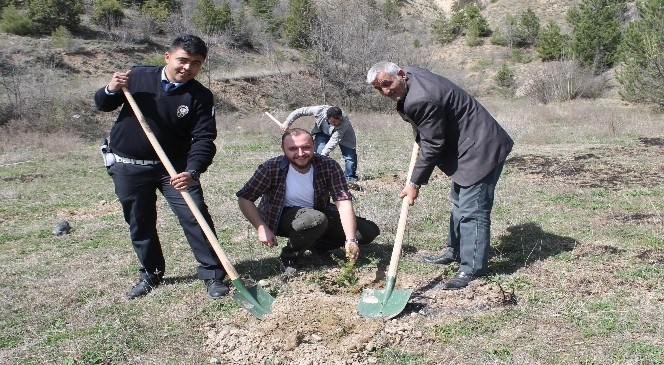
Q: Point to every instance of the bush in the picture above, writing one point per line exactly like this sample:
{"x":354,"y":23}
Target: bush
{"x":15,"y":22}
{"x":476,"y":21}
{"x":443,"y":30}
{"x":505,"y":77}
{"x":62,"y":38}
{"x":551,"y":44}
{"x":50,"y":14}
{"x":560,"y":81}
{"x":499,"y":38}
{"x":642,"y":53}
{"x":159,"y":13}
{"x":297,"y":26}
{"x":211,"y":19}
{"x":107,"y":13}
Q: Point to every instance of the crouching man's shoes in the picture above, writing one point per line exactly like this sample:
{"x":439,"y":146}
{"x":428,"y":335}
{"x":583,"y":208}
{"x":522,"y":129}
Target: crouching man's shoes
{"x":288,"y":266}
{"x":444,"y":259}
{"x":459,"y":281}
{"x":215,"y":288}
{"x":142,"y":288}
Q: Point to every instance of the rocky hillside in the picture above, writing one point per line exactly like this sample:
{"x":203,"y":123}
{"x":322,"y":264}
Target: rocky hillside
{"x":275,"y":76}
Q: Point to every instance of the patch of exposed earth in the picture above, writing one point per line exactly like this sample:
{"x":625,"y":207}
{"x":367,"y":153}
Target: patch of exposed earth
{"x":315,"y":321}
{"x":598,"y":167}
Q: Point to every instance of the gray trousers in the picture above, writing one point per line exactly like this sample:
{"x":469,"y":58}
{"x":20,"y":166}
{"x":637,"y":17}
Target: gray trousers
{"x":470,"y":223}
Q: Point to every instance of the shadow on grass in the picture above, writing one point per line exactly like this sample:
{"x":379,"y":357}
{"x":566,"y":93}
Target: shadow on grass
{"x":373,"y":253}
{"x":174,"y":280}
{"x":524,"y":244}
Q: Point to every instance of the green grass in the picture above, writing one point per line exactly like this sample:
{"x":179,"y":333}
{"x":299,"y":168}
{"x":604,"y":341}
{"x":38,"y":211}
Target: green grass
{"x":583,"y":263}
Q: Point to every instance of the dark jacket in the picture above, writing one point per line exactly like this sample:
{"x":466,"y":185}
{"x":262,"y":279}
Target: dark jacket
{"x":183,"y":119}
{"x":453,"y":129}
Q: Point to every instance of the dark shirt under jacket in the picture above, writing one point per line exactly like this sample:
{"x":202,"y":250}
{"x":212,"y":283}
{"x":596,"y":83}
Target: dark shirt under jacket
{"x":453,"y":129}
{"x":182,"y":119}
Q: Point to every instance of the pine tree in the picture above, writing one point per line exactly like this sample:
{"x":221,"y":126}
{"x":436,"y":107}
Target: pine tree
{"x":596,"y":32}
{"x":642,"y":54}
{"x":551,"y":43}
{"x":50,"y":14}
{"x":297,"y":26}
{"x":211,"y":19}
{"x":530,"y":26}
{"x":107,"y":13}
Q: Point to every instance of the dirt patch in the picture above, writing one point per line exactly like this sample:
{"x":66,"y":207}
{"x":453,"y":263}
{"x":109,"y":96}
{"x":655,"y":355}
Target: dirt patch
{"x":597,"y":168}
{"x":308,"y":325}
{"x":25,"y":178}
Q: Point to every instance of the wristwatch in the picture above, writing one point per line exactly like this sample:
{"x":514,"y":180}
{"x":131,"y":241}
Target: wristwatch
{"x":194,"y":174}
{"x":412,"y":184}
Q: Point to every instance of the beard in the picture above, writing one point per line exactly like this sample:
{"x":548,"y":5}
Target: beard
{"x":301,"y":163}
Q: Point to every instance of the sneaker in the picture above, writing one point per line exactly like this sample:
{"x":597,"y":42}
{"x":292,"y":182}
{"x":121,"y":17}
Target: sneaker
{"x":143,"y":287}
{"x":215,"y":288}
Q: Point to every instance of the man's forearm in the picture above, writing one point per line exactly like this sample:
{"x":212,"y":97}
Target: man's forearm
{"x":249,"y":210}
{"x":347,"y":216}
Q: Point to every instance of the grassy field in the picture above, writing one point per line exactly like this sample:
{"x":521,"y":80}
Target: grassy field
{"x":578,"y":231}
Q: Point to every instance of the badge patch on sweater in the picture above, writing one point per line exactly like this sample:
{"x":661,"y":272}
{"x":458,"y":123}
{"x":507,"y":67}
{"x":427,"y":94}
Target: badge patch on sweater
{"x":182,"y":111}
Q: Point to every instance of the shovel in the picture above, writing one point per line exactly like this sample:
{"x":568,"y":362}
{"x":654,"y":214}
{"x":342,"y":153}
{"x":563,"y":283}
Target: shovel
{"x":389,"y":302}
{"x":274,"y":119}
{"x":254,"y":299}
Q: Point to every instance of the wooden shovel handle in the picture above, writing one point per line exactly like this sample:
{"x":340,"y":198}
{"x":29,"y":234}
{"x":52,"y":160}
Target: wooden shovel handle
{"x":274,"y":119}
{"x":403,"y":217}
{"x":230,"y":270}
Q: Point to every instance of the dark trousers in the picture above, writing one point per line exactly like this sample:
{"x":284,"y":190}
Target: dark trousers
{"x":136,"y":187}
{"x":470,"y":223}
{"x":308,"y":228}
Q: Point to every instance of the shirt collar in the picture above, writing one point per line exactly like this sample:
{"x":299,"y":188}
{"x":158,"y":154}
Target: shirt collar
{"x":165,"y":79}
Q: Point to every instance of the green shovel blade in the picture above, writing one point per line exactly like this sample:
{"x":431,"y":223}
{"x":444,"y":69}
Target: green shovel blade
{"x":254,"y":299}
{"x":387,"y":303}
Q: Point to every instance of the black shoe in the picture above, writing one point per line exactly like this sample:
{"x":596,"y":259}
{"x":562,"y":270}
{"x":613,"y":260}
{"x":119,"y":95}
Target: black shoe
{"x":142,"y":288}
{"x":444,"y":259}
{"x":459,"y":281}
{"x":215,"y":288}
{"x":320,"y":252}
{"x":288,"y":265}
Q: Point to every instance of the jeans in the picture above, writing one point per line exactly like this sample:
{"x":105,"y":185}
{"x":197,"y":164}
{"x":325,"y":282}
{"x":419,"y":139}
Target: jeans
{"x":349,"y":155}
{"x":308,"y":228}
{"x":136,"y":188}
{"x":470,"y":223}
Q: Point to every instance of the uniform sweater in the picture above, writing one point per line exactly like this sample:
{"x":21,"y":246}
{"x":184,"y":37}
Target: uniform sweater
{"x":183,"y":119}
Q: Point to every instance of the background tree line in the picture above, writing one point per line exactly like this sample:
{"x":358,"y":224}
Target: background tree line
{"x":338,"y":40}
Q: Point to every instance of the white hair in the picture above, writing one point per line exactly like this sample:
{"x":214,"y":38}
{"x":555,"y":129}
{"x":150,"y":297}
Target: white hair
{"x":384,"y":66}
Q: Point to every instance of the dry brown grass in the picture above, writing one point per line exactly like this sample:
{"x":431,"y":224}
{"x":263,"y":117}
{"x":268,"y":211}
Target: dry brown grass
{"x":577,"y":233}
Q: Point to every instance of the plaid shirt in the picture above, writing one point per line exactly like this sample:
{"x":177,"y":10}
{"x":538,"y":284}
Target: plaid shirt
{"x":269,"y":184}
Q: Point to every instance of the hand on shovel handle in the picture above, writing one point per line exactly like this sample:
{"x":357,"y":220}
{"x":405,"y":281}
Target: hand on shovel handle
{"x":254,"y":299}
{"x":281,"y":126}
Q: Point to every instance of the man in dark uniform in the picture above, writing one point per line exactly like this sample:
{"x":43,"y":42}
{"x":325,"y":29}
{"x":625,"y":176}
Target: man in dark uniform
{"x":458,"y":135}
{"x":181,"y":114}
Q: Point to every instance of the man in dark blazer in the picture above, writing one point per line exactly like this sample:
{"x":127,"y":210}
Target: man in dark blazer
{"x":456,"y":134}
